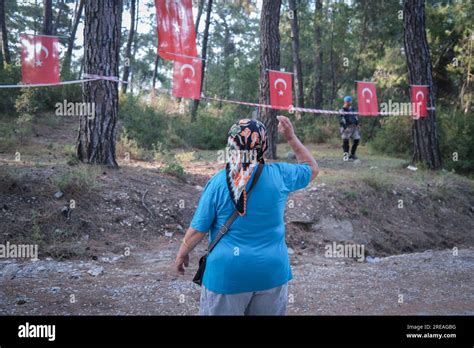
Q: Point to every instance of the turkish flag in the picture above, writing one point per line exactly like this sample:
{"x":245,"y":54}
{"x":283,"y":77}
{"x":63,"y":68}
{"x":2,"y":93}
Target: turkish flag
{"x":187,"y":79}
{"x":281,"y":96}
{"x":367,"y":99}
{"x":175,"y":26}
{"x":39,"y":59}
{"x":419,"y":101}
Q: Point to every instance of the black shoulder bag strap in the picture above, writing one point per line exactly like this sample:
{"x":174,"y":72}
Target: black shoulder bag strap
{"x":223,"y":230}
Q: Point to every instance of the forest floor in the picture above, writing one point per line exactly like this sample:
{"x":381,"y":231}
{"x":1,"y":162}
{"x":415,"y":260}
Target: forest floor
{"x":113,"y":252}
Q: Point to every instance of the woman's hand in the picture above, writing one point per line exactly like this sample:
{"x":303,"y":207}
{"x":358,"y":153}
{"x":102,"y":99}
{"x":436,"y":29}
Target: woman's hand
{"x":285,"y":127}
{"x":180,"y":263}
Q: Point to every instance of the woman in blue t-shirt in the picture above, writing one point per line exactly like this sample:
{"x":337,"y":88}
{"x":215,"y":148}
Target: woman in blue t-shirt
{"x":248,"y":270}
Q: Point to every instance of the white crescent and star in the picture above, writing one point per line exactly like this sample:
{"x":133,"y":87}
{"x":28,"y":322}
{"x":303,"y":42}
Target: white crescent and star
{"x":420,"y":93}
{"x":183,"y":68}
{"x":39,"y":62}
{"x":278,"y":81}
{"x":367,"y":100}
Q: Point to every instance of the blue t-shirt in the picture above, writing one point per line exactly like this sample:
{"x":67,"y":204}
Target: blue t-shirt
{"x":253,"y":255}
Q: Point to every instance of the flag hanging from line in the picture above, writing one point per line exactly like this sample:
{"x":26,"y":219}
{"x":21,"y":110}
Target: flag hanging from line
{"x":419,"y":101}
{"x":39,"y":59}
{"x":281,"y":96}
{"x":367,"y":99}
{"x":175,"y":26}
{"x":187,"y":79}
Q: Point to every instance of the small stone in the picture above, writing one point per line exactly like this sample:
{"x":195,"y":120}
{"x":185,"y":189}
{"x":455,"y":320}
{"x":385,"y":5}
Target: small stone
{"x":58,"y":195}
{"x":97,"y":271}
{"x":55,"y":289}
{"x":168,"y":234}
{"x":199,"y":188}
{"x":20,"y":302}
{"x":291,"y":251}
{"x":9,"y":271}
{"x":139,"y":219}
{"x":290,"y":155}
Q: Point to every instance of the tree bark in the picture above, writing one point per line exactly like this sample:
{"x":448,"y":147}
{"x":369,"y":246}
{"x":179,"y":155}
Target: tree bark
{"x":58,"y":17}
{"x":199,"y":14}
{"x":102,"y":29}
{"x":318,"y":62}
{"x":72,"y":37}
{"x":332,"y":61}
{"x":295,"y":46}
{"x":425,"y":133}
{"x":4,"y":35}
{"x":203,"y":55}
{"x":128,"y":48}
{"x":155,"y":72}
{"x":269,"y":59}
{"x":47,"y":17}
{"x":134,"y":47}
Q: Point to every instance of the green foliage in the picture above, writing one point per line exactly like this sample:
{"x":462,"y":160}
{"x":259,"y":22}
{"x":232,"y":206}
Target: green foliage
{"x":152,"y":127}
{"x":26,"y":108}
{"x":10,"y":75}
{"x":79,"y":178}
{"x":174,"y":169}
{"x":457,"y":140}
{"x":394,"y":138}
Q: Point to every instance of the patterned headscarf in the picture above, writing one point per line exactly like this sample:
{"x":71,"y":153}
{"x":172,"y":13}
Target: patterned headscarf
{"x":246,"y":145}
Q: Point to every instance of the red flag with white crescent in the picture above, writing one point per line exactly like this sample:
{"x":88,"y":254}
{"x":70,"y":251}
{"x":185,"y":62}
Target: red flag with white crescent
{"x":281,"y":95}
{"x":187,"y":79}
{"x":175,"y":26}
{"x":367,"y":99}
{"x":39,"y":59}
{"x":419,"y":101}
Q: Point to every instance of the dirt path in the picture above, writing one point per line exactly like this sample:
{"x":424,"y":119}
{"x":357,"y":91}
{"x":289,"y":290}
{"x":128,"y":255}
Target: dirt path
{"x":431,"y":283}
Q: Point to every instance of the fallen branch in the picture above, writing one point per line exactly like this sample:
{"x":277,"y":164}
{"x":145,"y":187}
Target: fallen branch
{"x":145,"y":206}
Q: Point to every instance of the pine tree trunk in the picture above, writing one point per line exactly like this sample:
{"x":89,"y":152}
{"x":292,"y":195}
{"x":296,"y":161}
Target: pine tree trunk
{"x":318,"y":62}
{"x":47,"y":17}
{"x":134,"y":48}
{"x":425,"y":133}
{"x":128,"y":48}
{"x":102,"y":28}
{"x":199,"y":14}
{"x":58,"y":17}
{"x":332,"y":61}
{"x":226,"y":73}
{"x":155,"y":72}
{"x":203,"y":55}
{"x":4,"y":35}
{"x":269,"y":59}
{"x":72,"y":38}
{"x":295,"y":46}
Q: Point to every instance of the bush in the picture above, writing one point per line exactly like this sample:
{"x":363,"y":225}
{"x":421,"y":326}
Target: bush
{"x":9,"y":76}
{"x":174,"y":169}
{"x":394,"y":138}
{"x":456,"y":130}
{"x":26,"y":108}
{"x":163,"y":126}
{"x":79,"y":178}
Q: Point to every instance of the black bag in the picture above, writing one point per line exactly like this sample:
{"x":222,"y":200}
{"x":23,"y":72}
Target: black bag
{"x":223,"y":230}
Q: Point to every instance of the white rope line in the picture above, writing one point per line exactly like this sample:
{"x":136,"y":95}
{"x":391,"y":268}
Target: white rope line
{"x":87,"y":78}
